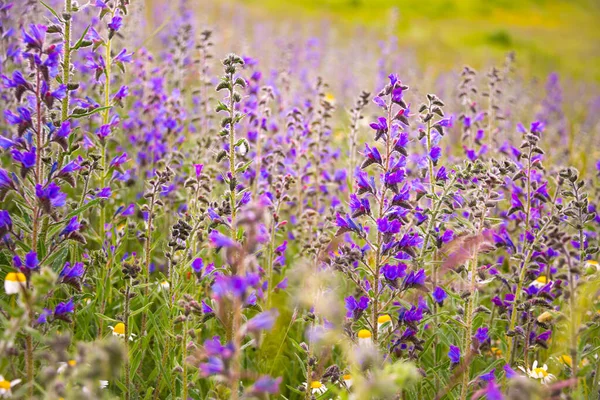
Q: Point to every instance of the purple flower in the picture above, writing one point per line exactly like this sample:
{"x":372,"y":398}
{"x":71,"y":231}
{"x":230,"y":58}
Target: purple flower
{"x":198,"y":265}
{"x":43,"y":317}
{"x":51,"y":196}
{"x":355,"y":308}
{"x":34,"y":39}
{"x":115,"y":23}
{"x":31,"y":260}
{"x":388,"y":227}
{"x":26,"y":158}
{"x":487,"y":377}
{"x":412,"y":316}
{"x":414,"y":279}
{"x":123,"y":57}
{"x":206,"y":309}
{"x":397,"y":93}
{"x":118,"y":160}
{"x":447,"y":122}
{"x":481,"y":335}
{"x":213,"y":366}
{"x":510,"y":373}
{"x":282,"y":285}
{"x":537,"y":127}
{"x":121,"y":93}
{"x":346,"y":224}
{"x":64,"y":308}
{"x":439,"y":295}
{"x":380,"y":127}
{"x":454,"y":354}
{"x":71,"y":273}
{"x":441,"y":174}
{"x":263,"y":321}
{"x":5,"y":223}
{"x":435,"y":154}
{"x":492,"y":391}
{"x":372,"y":156}
{"x":104,"y":193}
{"x":217,"y":239}
{"x":365,"y":183}
{"x":198,"y":168}
{"x":72,"y":226}
{"x":393,"y":178}
{"x":393,"y":272}
{"x":266,"y":385}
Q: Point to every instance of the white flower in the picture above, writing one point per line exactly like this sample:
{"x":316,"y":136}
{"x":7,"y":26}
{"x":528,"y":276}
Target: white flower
{"x":540,"y":282}
{"x":316,"y":387}
{"x":103,"y":384}
{"x":14,"y":282}
{"x":119,"y":331}
{"x":539,"y":373}
{"x":365,"y":338}
{"x":384,"y":323}
{"x":62,"y":366}
{"x":6,"y":386}
{"x":347,"y":380}
{"x":164,"y":285}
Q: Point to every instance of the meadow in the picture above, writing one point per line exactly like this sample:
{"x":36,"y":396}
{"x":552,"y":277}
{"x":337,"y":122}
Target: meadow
{"x":299,"y":200}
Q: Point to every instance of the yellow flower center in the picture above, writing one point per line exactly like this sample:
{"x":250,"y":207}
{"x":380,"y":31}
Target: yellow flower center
{"x":119,"y":328}
{"x":383,"y":319}
{"x":5,"y":385}
{"x":315,"y":385}
{"x":72,"y":363}
{"x":16,"y":277}
{"x":541,"y":371}
{"x":542,"y":279}
{"x":496,"y":351}
{"x":566,"y":359}
{"x":347,"y":377}
{"x":364,"y":334}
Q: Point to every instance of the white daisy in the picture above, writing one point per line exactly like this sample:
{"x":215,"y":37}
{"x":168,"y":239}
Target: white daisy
{"x":365,"y":338}
{"x":384,"y":323}
{"x":103,"y":384}
{"x":316,"y":387}
{"x":347,"y":380}
{"x":540,"y":282}
{"x":119,"y":331}
{"x":14,"y":282}
{"x":6,"y":386}
{"x":539,"y":373}
{"x":164,"y":285}
{"x":62,"y":366}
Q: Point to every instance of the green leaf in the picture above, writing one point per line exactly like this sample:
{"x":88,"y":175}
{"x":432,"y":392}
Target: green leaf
{"x":78,"y":44}
{"x":87,"y":114}
{"x":139,"y":310}
{"x":52,"y":11}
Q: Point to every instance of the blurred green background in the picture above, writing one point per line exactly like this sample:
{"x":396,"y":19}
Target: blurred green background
{"x":547,"y":35}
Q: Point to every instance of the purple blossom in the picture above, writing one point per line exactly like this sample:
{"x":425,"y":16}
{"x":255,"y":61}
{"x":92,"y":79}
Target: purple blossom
{"x":439,"y":295}
{"x":454,"y":354}
{"x":261,"y":322}
{"x":355,"y":307}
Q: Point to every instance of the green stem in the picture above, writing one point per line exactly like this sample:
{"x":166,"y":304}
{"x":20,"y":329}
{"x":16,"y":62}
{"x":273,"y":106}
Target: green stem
{"x":66,"y":60}
{"x":183,"y":360}
{"x":521,"y":281}
{"x":127,"y":365}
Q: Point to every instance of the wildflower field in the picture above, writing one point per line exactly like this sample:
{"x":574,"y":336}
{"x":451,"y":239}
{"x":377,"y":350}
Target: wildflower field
{"x":201,"y":202}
